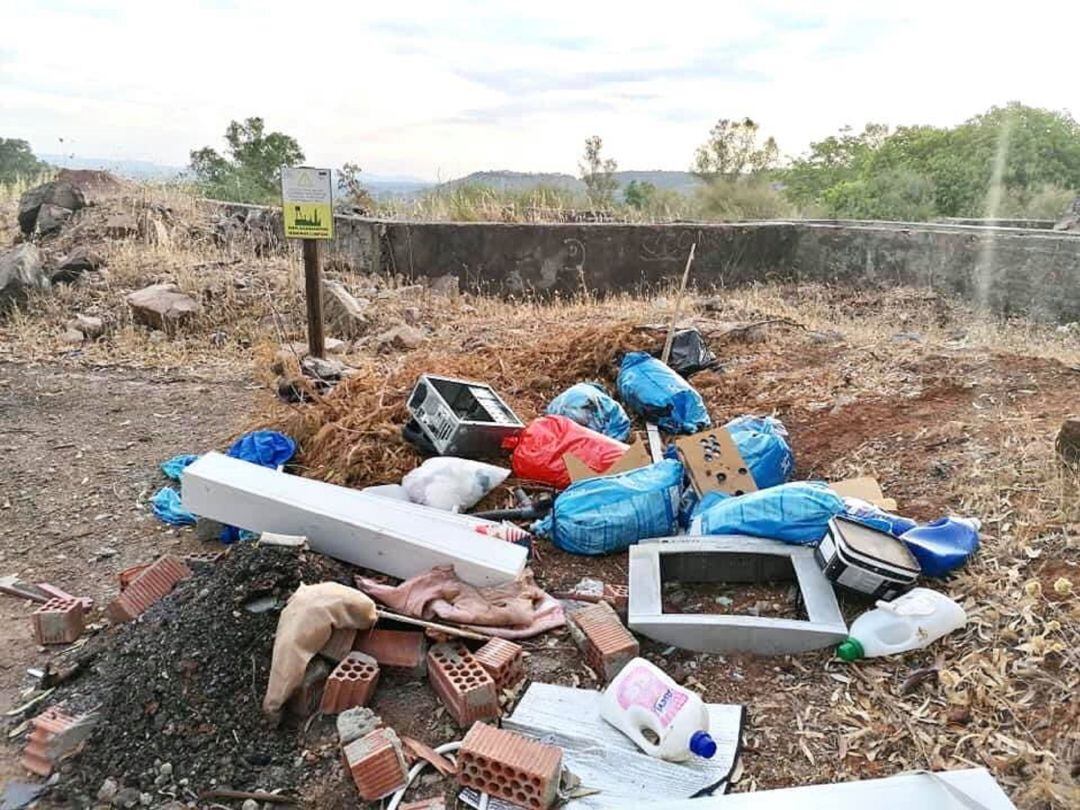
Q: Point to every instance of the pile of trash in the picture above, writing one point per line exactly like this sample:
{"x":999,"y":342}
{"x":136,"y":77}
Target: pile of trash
{"x":342,"y":596}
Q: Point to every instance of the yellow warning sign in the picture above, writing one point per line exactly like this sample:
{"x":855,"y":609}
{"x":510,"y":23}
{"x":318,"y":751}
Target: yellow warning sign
{"x":307,"y":200}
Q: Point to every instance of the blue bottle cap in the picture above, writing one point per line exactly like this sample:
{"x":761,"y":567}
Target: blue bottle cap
{"x":702,"y":744}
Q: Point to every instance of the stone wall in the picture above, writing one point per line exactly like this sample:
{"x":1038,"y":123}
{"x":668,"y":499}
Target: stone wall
{"x":1010,"y":270}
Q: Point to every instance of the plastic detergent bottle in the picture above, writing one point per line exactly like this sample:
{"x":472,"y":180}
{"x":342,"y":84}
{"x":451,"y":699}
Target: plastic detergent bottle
{"x":661,"y":717}
{"x":909,"y":622}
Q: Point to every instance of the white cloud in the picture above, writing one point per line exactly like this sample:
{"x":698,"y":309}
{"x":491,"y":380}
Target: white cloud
{"x":446,"y":88}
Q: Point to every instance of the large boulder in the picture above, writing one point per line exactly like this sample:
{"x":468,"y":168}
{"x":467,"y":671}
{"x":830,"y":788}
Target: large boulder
{"x":21,"y":269}
{"x":162,"y":306}
{"x":342,"y":311}
{"x":59,"y":193}
{"x":80,"y":260}
{"x":51,"y":218}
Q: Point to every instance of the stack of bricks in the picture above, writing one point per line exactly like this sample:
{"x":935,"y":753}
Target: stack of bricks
{"x":608,"y":646}
{"x":510,"y":766}
{"x":462,"y":684}
{"x":504,"y":661}
{"x":376,"y":764}
{"x":404,"y":649}
{"x":147,"y":587}
{"x":58,"y":621}
{"x":53,"y":733}
{"x":352,"y":683}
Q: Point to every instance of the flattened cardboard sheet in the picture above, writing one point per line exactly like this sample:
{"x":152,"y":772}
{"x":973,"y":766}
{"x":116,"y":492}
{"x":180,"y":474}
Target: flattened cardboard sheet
{"x":637,"y":456}
{"x":714,"y":463}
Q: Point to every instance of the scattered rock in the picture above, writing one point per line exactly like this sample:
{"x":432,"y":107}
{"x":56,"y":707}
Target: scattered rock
{"x":907,"y":337}
{"x":335,"y":346}
{"x":121,"y":226}
{"x":157,"y":234}
{"x":249,"y":804}
{"x":448,"y":286}
{"x":89,"y":325}
{"x":162,"y":306}
{"x":324,"y":368}
{"x":128,"y":797}
{"x":411,"y":315}
{"x":342,"y":311}
{"x":78,"y":261}
{"x":21,"y":270}
{"x":107,"y":792}
{"x":826,"y":337}
{"x":1068,"y":441}
{"x":51,"y":218}
{"x":58,"y":193}
{"x":401,"y":336}
{"x":1070,"y":220}
{"x":73,"y":336}
{"x":157,"y":336}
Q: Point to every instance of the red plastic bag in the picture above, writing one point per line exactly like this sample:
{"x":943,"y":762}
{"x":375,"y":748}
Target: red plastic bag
{"x":540,"y":447}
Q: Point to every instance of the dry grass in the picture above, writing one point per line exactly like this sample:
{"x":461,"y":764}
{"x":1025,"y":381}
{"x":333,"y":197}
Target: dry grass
{"x":951,"y":410}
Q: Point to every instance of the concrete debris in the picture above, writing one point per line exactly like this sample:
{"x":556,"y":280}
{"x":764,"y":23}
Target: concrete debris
{"x":324,"y":368}
{"x":163,"y":307}
{"x":58,"y":193}
{"x":357,"y":722}
{"x":21,"y":271}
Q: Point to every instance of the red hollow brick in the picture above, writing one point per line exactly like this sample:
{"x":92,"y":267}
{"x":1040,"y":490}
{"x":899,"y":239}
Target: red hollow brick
{"x":85,"y":602}
{"x":395,"y":648}
{"x":618,"y":596}
{"x":607,"y":645}
{"x":128,"y":574}
{"x":203,"y":557}
{"x":376,"y":763}
{"x":340,"y":644}
{"x":510,"y":766}
{"x":463,"y":685}
{"x":352,"y":683}
{"x":41,"y":753}
{"x":504,"y":661}
{"x":58,"y":621}
{"x":147,"y":588}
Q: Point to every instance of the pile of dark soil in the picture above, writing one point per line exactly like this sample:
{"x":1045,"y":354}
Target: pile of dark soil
{"x":179,"y":690}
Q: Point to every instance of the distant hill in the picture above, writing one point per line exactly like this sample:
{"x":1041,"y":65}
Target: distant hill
{"x":132,"y":169}
{"x":682,"y":182}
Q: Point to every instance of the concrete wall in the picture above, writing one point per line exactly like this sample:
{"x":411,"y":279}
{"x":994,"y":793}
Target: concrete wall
{"x":1010,"y":270}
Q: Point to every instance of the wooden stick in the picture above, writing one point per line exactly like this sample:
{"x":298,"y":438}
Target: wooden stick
{"x":442,"y":628}
{"x":678,"y":304}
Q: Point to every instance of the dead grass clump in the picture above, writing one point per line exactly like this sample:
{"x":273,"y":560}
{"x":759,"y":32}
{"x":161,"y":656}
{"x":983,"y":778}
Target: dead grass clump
{"x":352,"y":435}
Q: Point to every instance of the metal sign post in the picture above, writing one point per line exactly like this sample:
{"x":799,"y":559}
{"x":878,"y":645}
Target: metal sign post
{"x":307,"y":206}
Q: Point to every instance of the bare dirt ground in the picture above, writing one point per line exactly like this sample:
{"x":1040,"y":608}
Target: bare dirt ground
{"x":951,"y":411}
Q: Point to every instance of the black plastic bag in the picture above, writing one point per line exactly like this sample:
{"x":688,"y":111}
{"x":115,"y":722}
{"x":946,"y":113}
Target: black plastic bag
{"x":690,"y":354}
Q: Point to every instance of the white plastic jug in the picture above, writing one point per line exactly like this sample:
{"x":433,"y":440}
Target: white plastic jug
{"x":665,"y":720}
{"x":909,"y":622}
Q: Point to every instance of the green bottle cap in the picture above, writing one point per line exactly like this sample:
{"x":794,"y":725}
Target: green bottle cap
{"x":850,"y":649}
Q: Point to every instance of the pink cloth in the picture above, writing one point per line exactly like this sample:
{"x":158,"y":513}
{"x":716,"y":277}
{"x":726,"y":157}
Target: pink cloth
{"x":518,"y":609}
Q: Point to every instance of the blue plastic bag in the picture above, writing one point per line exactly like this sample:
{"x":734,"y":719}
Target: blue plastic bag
{"x":690,"y":506}
{"x":795,"y":513}
{"x":591,"y":406}
{"x":943,"y":545}
{"x":762,"y":442}
{"x":657,"y":393}
{"x":877,"y":518}
{"x":167,"y":508}
{"x":607,"y":514}
{"x":267,"y":448}
{"x":174,"y":467}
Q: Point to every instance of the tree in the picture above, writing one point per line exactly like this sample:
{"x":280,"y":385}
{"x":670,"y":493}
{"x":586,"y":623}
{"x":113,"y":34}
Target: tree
{"x":732,"y":150}
{"x":639,"y":194}
{"x":354,"y":192}
{"x":598,"y":174}
{"x":252,"y":170}
{"x":17,"y":161}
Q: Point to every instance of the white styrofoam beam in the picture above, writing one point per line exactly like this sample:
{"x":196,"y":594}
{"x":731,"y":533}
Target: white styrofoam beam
{"x":395,"y":538}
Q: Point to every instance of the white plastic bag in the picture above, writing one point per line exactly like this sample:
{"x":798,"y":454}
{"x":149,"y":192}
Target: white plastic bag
{"x":454,"y":484}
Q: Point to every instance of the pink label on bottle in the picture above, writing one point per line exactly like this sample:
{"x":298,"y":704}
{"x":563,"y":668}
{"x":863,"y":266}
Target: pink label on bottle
{"x":642,"y":688}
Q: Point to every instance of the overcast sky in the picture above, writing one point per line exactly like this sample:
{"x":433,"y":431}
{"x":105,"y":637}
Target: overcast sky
{"x":437,"y":90}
